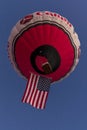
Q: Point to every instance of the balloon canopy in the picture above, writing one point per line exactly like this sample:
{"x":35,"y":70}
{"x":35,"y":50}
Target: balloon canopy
{"x":43,"y":47}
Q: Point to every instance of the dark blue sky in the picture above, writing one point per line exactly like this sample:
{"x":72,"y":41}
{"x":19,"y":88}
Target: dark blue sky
{"x":66,"y":107}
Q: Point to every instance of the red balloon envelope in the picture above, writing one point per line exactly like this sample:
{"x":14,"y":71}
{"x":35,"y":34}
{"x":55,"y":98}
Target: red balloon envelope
{"x":43,"y":48}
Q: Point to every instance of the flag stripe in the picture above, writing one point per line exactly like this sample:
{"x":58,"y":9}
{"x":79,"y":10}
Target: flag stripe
{"x":32,"y":88}
{"x":42,"y":103}
{"x":27,"y":88}
{"x":39,"y":101}
{"x":44,"y":100}
{"x":34,"y":92}
{"x":36,"y":98}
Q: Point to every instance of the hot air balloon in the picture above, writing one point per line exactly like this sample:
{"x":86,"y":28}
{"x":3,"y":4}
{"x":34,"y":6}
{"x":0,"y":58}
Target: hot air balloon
{"x":44,"y":48}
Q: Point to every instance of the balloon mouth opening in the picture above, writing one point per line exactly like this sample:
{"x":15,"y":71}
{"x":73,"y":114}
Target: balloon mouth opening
{"x":45,"y":59}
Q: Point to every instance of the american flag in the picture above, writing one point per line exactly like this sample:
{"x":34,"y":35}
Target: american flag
{"x":36,"y":91}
